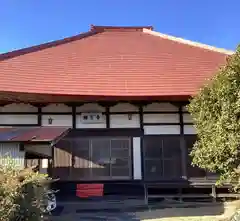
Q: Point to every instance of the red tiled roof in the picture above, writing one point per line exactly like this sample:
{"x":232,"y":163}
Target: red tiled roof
{"x":110,"y":62}
{"x":34,"y":134}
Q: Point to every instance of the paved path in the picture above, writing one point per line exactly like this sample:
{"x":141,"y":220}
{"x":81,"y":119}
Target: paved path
{"x":71,"y":213}
{"x":159,"y":214}
{"x":97,"y":216}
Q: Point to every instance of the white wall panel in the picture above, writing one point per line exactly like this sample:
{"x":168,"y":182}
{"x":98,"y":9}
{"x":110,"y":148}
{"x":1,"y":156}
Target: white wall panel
{"x":80,"y":124}
{"x":189,"y":129}
{"x":187,"y":118}
{"x":137,"y":163}
{"x":160,"y":107}
{"x":18,"y":108}
{"x":161,"y":118}
{"x":10,"y":151}
{"x":90,"y":107}
{"x":18,"y":119}
{"x":124,"y":107}
{"x":57,"y":120}
{"x":162,"y":129}
{"x":58,"y":108}
{"x":123,"y":121}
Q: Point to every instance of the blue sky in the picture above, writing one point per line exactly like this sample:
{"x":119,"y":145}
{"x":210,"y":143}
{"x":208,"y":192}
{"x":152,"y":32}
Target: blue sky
{"x":29,"y":22}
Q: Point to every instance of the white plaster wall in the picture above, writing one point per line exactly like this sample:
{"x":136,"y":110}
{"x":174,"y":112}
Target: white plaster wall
{"x":124,"y":107}
{"x":11,"y":151}
{"x":59,"y":108}
{"x":161,"y":118}
{"x":187,"y":118}
{"x":18,"y":108}
{"x":57,"y":120}
{"x":123,"y":121}
{"x":91,"y":107}
{"x":189,"y":129}
{"x":137,"y":163}
{"x":18,"y":119}
{"x":160,"y":107}
{"x":116,"y":121}
{"x":162,"y":129}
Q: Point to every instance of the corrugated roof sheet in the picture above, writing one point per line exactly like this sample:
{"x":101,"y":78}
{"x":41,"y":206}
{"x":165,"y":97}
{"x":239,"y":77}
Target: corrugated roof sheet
{"x":111,"y":61}
{"x":36,"y":134}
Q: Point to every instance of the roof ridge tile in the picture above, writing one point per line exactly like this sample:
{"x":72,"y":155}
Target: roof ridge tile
{"x":120,"y":28}
{"x":43,"y":46}
{"x":188,"y":42}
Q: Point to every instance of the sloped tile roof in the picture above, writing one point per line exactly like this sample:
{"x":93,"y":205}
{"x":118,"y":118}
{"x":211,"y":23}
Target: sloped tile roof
{"x":31,"y":134}
{"x":111,"y":62}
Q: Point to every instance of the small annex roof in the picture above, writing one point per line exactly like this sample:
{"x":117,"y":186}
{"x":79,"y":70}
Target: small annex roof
{"x":32,"y":134}
{"x":109,"y":62}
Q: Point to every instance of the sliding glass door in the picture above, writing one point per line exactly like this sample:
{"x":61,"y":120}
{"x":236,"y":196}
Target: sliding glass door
{"x":100,"y":158}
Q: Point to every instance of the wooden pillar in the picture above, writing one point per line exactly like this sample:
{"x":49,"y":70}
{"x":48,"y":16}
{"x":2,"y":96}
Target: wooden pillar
{"x":107,"y":117}
{"x":142,"y":151}
{"x":51,"y":162}
{"x":183,"y":145}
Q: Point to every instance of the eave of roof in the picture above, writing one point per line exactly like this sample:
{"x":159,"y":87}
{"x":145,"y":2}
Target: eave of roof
{"x":32,"y":135}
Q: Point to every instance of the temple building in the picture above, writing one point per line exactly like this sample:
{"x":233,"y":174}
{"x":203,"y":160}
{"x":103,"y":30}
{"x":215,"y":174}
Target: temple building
{"x":105,"y":106}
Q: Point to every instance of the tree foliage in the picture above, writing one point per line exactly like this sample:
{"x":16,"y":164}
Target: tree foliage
{"x":22,"y":193}
{"x":216,"y":115}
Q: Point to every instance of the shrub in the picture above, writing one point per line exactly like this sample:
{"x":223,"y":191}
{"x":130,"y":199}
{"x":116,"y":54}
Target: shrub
{"x":21,"y":193}
{"x":216,"y":115}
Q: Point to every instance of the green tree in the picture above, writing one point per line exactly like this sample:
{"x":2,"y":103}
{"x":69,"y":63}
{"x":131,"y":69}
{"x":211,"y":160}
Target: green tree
{"x":216,"y":114}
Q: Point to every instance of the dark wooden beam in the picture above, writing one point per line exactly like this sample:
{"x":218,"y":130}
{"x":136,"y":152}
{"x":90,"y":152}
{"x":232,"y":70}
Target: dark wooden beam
{"x":39,"y":105}
{"x":107,"y":103}
{"x":39,"y":116}
{"x":35,"y":113}
{"x":19,"y":125}
{"x":76,"y":104}
{"x":74,"y":116}
{"x":141,"y":117}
